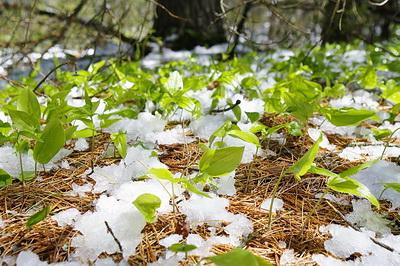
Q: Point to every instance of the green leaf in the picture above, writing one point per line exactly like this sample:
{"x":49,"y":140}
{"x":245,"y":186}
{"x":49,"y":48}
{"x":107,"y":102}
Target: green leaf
{"x":26,"y":176}
{"x":351,"y":186}
{"x":84,"y":133}
{"x":148,"y":204}
{"x":253,"y":116}
{"x":163,"y":173}
{"x":369,"y":78}
{"x":394,"y":186}
{"x":206,"y":159}
{"x":23,"y":120}
{"x":302,"y":166}
{"x":354,"y":170}
{"x":178,"y":247}
{"x":321,"y":171}
{"x":220,"y":132}
{"x":192,"y":188}
{"x":238,"y":257}
{"x":222,"y":161}
{"x":50,"y":143}
{"x":5,"y":178}
{"x":245,"y":136}
{"x":381,"y":133}
{"x":28,"y":103}
{"x":347,"y":116}
{"x":120,"y":143}
{"x":38,"y":216}
{"x":294,"y":128}
{"x":237,"y":111}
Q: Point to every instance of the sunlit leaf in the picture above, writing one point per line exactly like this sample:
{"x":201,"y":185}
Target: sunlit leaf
{"x":148,"y":204}
{"x":38,"y":216}
{"x":239,"y":257}
{"x":303,"y":165}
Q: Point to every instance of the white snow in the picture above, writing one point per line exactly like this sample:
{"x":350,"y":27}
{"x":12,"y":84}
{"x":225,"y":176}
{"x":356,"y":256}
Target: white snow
{"x":368,"y":152}
{"x":346,"y":241}
{"x":342,"y":200}
{"x":354,"y":56}
{"x":329,"y":128}
{"x":172,"y":261}
{"x":288,"y":257}
{"x":66,"y":217}
{"x":200,"y":210}
{"x":206,"y":125}
{"x":135,"y":164}
{"x":28,"y":258}
{"x":171,"y":136}
{"x":81,"y":190}
{"x":81,"y":145}
{"x":226,"y":185}
{"x":363,"y":216}
{"x":170,"y":240}
{"x":315,"y":134}
{"x":276,"y":206}
{"x":125,"y":221}
{"x":376,"y":175}
{"x":9,"y":160}
{"x":163,"y":189}
{"x":143,"y":128}
{"x":359,"y":99}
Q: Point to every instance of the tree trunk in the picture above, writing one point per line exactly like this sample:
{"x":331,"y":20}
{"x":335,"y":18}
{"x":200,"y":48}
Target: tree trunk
{"x":183,"y":24}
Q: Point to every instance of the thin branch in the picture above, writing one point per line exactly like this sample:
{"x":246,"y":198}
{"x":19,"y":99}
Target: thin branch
{"x":114,"y":237}
{"x":48,"y":75}
{"x":384,"y":2}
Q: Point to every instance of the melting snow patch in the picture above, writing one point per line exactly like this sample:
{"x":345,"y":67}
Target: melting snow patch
{"x":329,"y":128}
{"x":81,"y":145}
{"x":142,"y":128}
{"x":206,"y":125}
{"x":135,"y":164}
{"x":359,"y":99}
{"x":125,"y":221}
{"x":226,"y":185}
{"x":276,"y":206}
{"x":81,"y":190}
{"x":171,"y":136}
{"x":315,"y":134}
{"x":28,"y":258}
{"x":376,"y":175}
{"x":199,"y":210}
{"x":338,"y":200}
{"x":9,"y":160}
{"x":172,"y":261}
{"x":66,"y":217}
{"x":368,"y":152}
{"x":288,"y":257}
{"x":346,"y":241}
{"x":249,"y":148}
{"x":163,"y":189}
{"x":363,"y":216}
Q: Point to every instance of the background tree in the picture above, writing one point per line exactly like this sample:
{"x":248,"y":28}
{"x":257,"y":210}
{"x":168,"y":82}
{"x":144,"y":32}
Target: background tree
{"x":184,"y":24}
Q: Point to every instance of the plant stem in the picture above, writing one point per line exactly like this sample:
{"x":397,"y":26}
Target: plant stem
{"x":250,"y":170}
{"x":387,"y":142}
{"x":274,"y":191}
{"x":380,"y":195}
{"x":174,"y":206}
{"x":21,"y":166}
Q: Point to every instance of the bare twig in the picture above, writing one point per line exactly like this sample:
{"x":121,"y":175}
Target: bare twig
{"x":114,"y":237}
